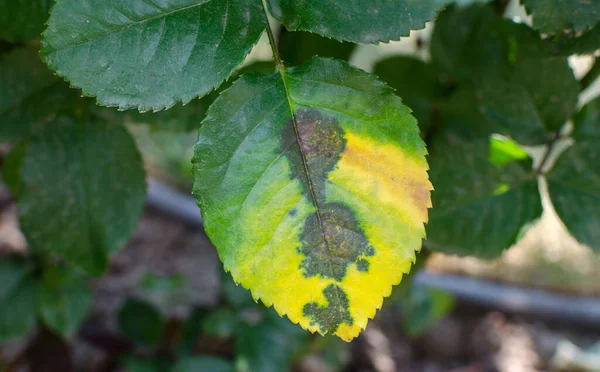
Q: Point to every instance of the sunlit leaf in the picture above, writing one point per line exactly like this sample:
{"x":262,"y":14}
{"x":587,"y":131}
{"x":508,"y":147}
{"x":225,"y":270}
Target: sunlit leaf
{"x":574,"y":182}
{"x":319,"y":213}
{"x":150,"y":55}
{"x":82,"y":190}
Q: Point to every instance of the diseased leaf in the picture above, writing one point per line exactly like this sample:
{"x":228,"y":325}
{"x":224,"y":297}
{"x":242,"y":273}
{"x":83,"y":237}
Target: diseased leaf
{"x":523,"y":90}
{"x":18,"y":296}
{"x":318,"y":213}
{"x":254,"y":344}
{"x":150,"y":55}
{"x":140,"y":322}
{"x":30,"y":95}
{"x":23,"y":20}
{"x":479,"y":208}
{"x":64,"y":300}
{"x":553,"y":16}
{"x":298,"y":47}
{"x":360,"y":21}
{"x":82,"y":191}
{"x":573,"y":183}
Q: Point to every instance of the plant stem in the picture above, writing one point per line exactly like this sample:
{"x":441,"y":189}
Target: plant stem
{"x":551,"y":143}
{"x":272,"y":41}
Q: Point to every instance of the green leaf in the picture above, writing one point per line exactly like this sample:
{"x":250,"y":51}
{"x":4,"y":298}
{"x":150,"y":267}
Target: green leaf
{"x":18,"y":296}
{"x":479,"y":208}
{"x":522,"y":89}
{"x":255,"y":349}
{"x":82,"y":191}
{"x":504,"y":151}
{"x":298,"y":47}
{"x":31,"y":95}
{"x":64,"y":301}
{"x":23,"y":20}
{"x":220,"y":323}
{"x":573,"y":182}
{"x":553,"y":16}
{"x":198,"y":364}
{"x":150,"y":55}
{"x":568,"y":43}
{"x":140,"y":322}
{"x":11,"y":167}
{"x":423,"y":307}
{"x":415,"y":81}
{"x":307,"y":209}
{"x":359,"y":21}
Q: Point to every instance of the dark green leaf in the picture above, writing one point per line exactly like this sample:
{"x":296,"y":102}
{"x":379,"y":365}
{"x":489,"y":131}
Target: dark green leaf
{"x":479,"y":208}
{"x":132,"y":364}
{"x":82,"y":191}
{"x":221,"y":323}
{"x":192,"y":329}
{"x":201,"y":364}
{"x":236,"y":295}
{"x":30,"y":96}
{"x":574,"y":181}
{"x":11,"y":167}
{"x":140,"y":322}
{"x":64,"y":301}
{"x":150,"y":55}
{"x":255,"y":344}
{"x":415,"y":81}
{"x":23,"y":20}
{"x":521,"y":88}
{"x":18,"y":296}
{"x":360,"y":21}
{"x":568,"y":43}
{"x":298,"y":47}
{"x":423,"y":307}
{"x":552,"y":16}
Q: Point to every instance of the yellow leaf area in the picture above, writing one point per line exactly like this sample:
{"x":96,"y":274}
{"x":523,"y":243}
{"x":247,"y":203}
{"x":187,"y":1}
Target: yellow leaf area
{"x":335,"y":287}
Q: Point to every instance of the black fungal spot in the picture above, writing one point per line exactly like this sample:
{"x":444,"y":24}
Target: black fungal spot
{"x":293,"y":212}
{"x":331,"y":238}
{"x":330,"y":317}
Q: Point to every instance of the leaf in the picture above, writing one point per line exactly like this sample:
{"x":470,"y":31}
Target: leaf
{"x":254,"y":345}
{"x":150,"y":55}
{"x":298,"y":47}
{"x":523,"y":90}
{"x":18,"y":295}
{"x":23,"y":20}
{"x":573,"y":182}
{"x":31,"y":95}
{"x":312,"y":223}
{"x":479,"y":208}
{"x":552,"y":16}
{"x":211,"y":364}
{"x":140,"y":322}
{"x":82,"y":191}
{"x":221,"y":323}
{"x":11,"y":167}
{"x":504,"y":151}
{"x":415,"y":81}
{"x":567,"y":44}
{"x":64,"y":301}
{"x":423,"y":307}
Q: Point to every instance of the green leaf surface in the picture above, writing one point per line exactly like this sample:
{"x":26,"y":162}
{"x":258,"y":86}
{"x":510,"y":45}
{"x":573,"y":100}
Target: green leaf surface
{"x":18,"y":296}
{"x":359,"y":21}
{"x":31,"y":95}
{"x":221,"y":323}
{"x":64,"y":300}
{"x":307,"y":181}
{"x":574,"y":181}
{"x":11,"y":167}
{"x":268,"y":346}
{"x":504,"y":151}
{"x":554,"y":16}
{"x":423,"y":307}
{"x":200,"y":364}
{"x":82,"y":191}
{"x":523,"y":90}
{"x":23,"y":20}
{"x":140,"y":322}
{"x":150,"y":55}
{"x":298,"y":47}
{"x":568,"y":43}
{"x":415,"y":81}
{"x":479,"y":208}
